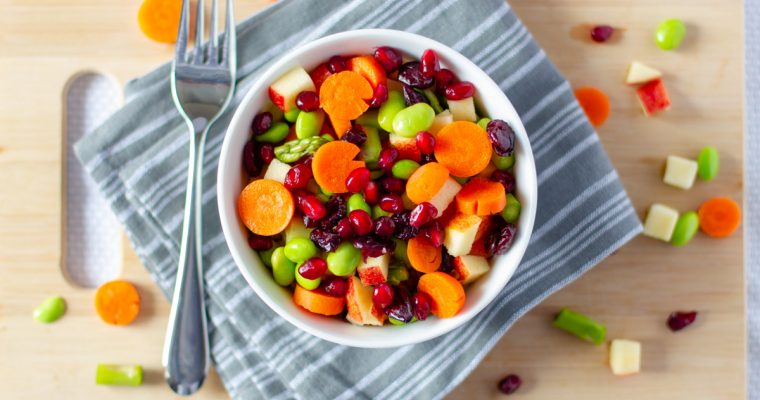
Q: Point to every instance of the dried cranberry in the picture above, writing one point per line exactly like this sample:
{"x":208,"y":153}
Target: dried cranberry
{"x":502,"y":137}
{"x":601,"y":33}
{"x":429,"y":63}
{"x":422,"y":214}
{"x":411,"y":75}
{"x":371,"y":193}
{"x":401,"y":309}
{"x":355,"y":135}
{"x":310,"y":206}
{"x":388,"y":57}
{"x":357,"y":180}
{"x":459,"y":90}
{"x":433,"y":232}
{"x":379,"y":96}
{"x":336,"y":287}
{"x":510,"y":384}
{"x":505,"y":178}
{"x":443,"y":78}
{"x":313,"y":268}
{"x":425,"y":142}
{"x":393,"y":185}
{"x":681,"y":319}
{"x":421,"y":302}
{"x":382,"y":295}
{"x":249,"y":159}
{"x":261,"y":122}
{"x":266,"y":153}
{"x":309,"y":222}
{"x":387,"y":158}
{"x":298,"y":176}
{"x":384,"y":226}
{"x":361,"y":222}
{"x":404,"y":230}
{"x":343,"y":229}
{"x":259,"y":243}
{"x":336,"y":64}
{"x":327,"y":241}
{"x":447,"y":261}
{"x":307,"y":101}
{"x":412,"y":96}
{"x":374,"y":246}
{"x":391,"y":203}
{"x":499,"y":240}
{"x":336,"y":210}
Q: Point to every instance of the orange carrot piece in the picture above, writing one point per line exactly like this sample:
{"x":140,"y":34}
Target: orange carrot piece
{"x":463,"y":148}
{"x":117,"y":302}
{"x":159,"y":19}
{"x":265,"y":207}
{"x":370,"y":69}
{"x":340,"y":126}
{"x":426,"y":181}
{"x":719,"y":217}
{"x":343,"y":95}
{"x":446,"y":293}
{"x":318,"y":302}
{"x":333,"y":162}
{"x":423,"y":256}
{"x":480,"y":196}
{"x":595,"y":104}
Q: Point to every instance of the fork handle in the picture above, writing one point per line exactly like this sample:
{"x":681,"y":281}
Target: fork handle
{"x":186,"y":348}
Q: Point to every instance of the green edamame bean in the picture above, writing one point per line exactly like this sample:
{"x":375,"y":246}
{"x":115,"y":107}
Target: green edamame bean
{"x":483,"y":123}
{"x":397,"y":274}
{"x":372,"y":146}
{"x":503,"y":163}
{"x":356,"y":202}
{"x":404,"y":169}
{"x":686,"y":227}
{"x":433,"y":99}
{"x":275,"y":134}
{"x":266,"y":257}
{"x":119,"y":375}
{"x":292,"y":115}
{"x":389,"y":109}
{"x":670,"y":33}
{"x":400,"y":252}
{"x":511,"y":211}
{"x":300,"y":249}
{"x":378,"y":212}
{"x":50,"y":310}
{"x":369,"y":118}
{"x":282,"y":268}
{"x":308,"y":284}
{"x":308,"y":124}
{"x":708,"y":163}
{"x":415,"y":118}
{"x":344,"y":260}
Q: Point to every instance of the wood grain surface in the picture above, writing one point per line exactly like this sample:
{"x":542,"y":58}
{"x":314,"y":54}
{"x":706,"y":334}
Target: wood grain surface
{"x":44,"y":42}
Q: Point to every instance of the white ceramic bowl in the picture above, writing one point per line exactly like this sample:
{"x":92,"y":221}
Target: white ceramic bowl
{"x":490,"y":99}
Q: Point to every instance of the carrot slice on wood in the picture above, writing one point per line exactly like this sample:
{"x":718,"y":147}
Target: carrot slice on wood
{"x":340,"y":126}
{"x":117,"y":302}
{"x":265,"y":207}
{"x":446,"y":293}
{"x":370,"y":69}
{"x":595,"y":104}
{"x":480,"y":196}
{"x":159,"y":19}
{"x":318,"y":302}
{"x":423,"y":256}
{"x":463,"y":148}
{"x":719,"y":217}
{"x":426,"y":181}
{"x":333,"y":162}
{"x":343,"y":95}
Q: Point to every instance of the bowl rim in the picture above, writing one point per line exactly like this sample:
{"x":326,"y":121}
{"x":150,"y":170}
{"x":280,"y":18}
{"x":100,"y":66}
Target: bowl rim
{"x":458,"y":62}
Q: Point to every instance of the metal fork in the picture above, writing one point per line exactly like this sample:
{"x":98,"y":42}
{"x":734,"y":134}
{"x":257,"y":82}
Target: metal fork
{"x":202,"y":84}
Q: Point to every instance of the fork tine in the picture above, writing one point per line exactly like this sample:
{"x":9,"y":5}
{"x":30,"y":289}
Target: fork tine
{"x":212,"y":54}
{"x":182,"y":34}
{"x":198,"y":56}
{"x":228,"y":51}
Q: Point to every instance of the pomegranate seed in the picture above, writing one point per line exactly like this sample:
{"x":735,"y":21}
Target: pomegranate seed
{"x":412,"y":97}
{"x":379,"y":96}
{"x":307,"y":101}
{"x":298,"y":176}
{"x":310,"y":206}
{"x":601,"y":33}
{"x":393,"y":185}
{"x":391,"y":203}
{"x":266,"y":153}
{"x":336,"y":287}
{"x":499,"y":240}
{"x":382,"y":296}
{"x":336,"y":64}
{"x":510,"y":384}
{"x":421,"y":303}
{"x":261,"y":122}
{"x":313,"y":268}
{"x":505,"y":178}
{"x":387,"y":158}
{"x":361,"y":222}
{"x":249,"y":159}
{"x":371,"y":192}
{"x":343,"y":228}
{"x":443,"y":78}
{"x":388,"y":57}
{"x":681,"y":319}
{"x":429,"y":63}
{"x":384,"y":226}
{"x":422,"y":214}
{"x":459,"y":90}
{"x":433,"y":232}
{"x":259,"y":243}
{"x":425,"y":142}
{"x":357,"y":180}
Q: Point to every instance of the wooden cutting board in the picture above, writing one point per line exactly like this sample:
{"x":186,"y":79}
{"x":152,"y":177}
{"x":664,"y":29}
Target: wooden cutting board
{"x":44,"y":42}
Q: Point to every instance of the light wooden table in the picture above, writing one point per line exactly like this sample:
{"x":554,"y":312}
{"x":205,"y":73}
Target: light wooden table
{"x":44,"y":42}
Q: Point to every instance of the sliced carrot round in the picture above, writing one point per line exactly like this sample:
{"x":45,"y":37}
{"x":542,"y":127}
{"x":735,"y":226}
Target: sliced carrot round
{"x":343,"y":95}
{"x":595,"y":104}
{"x":318,"y":301}
{"x":333,"y":162}
{"x":159,"y":19}
{"x":719,"y":217}
{"x":369,"y":68}
{"x":480,"y":196}
{"x":340,"y":126}
{"x":463,"y":148}
{"x":265,"y":207}
{"x":423,"y":256}
{"x":426,"y":181}
{"x":117,"y":302}
{"x":446,"y":293}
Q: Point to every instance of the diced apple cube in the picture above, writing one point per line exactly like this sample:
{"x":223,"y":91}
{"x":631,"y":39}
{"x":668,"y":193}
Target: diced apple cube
{"x":680,"y":172}
{"x":295,"y":229}
{"x":463,"y":110}
{"x":361,"y":310}
{"x":277,"y":171}
{"x":283,"y":91}
{"x":407,"y":147}
{"x":445,"y":195}
{"x":470,"y":268}
{"x":442,"y":119}
{"x":653,"y":97}
{"x":374,"y":270}
{"x":660,"y":222}
{"x":640,"y":73}
{"x":625,"y":357}
{"x":460,"y":234}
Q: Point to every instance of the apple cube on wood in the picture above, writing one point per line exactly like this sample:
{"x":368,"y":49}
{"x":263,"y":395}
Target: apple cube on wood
{"x":653,"y":97}
{"x":470,"y":268}
{"x":463,"y":110}
{"x":283,"y":91}
{"x":277,"y":170}
{"x":361,"y":310}
{"x":660,"y":222}
{"x":460,"y":234}
{"x":374,"y":270}
{"x":680,"y":172}
{"x":639,"y":73}
{"x":625,"y":357}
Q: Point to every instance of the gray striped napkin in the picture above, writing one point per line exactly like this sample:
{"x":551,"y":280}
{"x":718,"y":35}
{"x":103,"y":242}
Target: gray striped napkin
{"x":138,"y":159}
